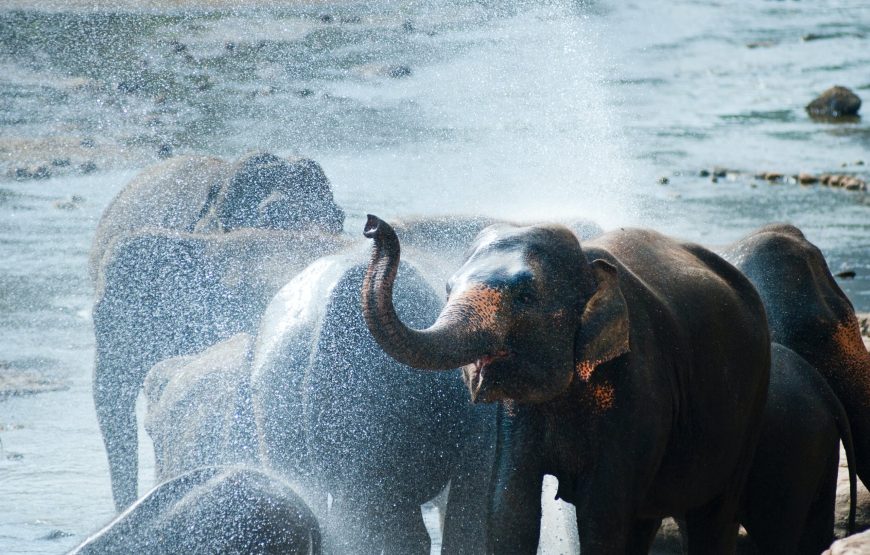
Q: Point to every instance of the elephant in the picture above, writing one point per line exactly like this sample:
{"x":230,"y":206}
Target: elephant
{"x":789,"y":498}
{"x":334,"y":412}
{"x":199,"y":409}
{"x":175,"y":272}
{"x":633,"y":369}
{"x":203,"y":193}
{"x":810,"y":314}
{"x":231,"y":510}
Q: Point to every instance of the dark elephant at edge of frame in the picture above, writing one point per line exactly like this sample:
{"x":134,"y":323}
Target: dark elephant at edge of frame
{"x":229,"y":510}
{"x":335,"y":412}
{"x":661,"y":344}
{"x":810,"y":314}
{"x":789,"y":499}
{"x":166,"y":287}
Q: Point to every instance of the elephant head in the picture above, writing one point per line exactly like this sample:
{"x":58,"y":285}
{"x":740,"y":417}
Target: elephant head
{"x":265,"y":191}
{"x":526,"y":313}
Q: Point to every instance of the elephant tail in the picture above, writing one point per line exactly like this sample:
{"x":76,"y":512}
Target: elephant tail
{"x":846,"y":437}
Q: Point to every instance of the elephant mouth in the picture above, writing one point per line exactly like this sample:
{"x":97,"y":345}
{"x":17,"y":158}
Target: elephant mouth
{"x":480,"y":378}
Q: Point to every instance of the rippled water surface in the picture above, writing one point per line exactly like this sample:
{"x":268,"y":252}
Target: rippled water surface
{"x":528,"y":111}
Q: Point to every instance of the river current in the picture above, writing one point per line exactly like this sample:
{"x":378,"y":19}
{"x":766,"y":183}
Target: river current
{"x":619,"y":112}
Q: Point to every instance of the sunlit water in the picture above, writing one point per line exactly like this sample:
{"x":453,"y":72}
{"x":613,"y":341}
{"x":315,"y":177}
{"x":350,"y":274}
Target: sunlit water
{"x":528,"y":112}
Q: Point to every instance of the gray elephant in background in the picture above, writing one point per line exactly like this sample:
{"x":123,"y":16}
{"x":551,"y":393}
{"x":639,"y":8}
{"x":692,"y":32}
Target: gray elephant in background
{"x":199,"y":409}
{"x":176,"y":271}
{"x":335,"y":412}
{"x":229,"y":510}
{"x":207,"y":194}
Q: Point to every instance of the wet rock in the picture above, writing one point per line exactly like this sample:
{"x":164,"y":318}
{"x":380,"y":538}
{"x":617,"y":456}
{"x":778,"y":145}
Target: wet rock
{"x":57,"y":535}
{"x":128,"y":87}
{"x":663,"y":180}
{"x":859,"y":544}
{"x":836,"y":102}
{"x":399,"y":71}
{"x":87,"y":168}
{"x":848,"y":182}
{"x":15,"y":383}
{"x":807,"y":178}
{"x":845,"y":274}
{"x":857,"y":186}
{"x":864,"y":323}
{"x":40,"y":171}
{"x":177,"y":47}
{"x":70,"y":203}
{"x":771,"y":176}
{"x":165,"y":151}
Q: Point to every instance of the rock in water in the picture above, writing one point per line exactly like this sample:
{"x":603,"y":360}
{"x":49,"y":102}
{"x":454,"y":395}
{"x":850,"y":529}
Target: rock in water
{"x":836,"y":102}
{"x":859,"y":544}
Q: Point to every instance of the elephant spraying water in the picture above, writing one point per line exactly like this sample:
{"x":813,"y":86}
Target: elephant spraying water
{"x":634,"y":369}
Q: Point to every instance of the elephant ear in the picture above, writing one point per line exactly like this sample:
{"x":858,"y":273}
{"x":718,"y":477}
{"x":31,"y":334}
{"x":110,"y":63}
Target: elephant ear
{"x":603,"y":333}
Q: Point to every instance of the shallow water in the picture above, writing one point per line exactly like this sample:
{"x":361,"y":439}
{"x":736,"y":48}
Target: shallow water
{"x":563,"y":110}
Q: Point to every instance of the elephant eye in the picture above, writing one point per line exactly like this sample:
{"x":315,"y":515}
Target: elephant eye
{"x":526,"y":296}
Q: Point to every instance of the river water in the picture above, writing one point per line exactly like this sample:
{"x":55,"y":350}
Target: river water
{"x":531,"y":111}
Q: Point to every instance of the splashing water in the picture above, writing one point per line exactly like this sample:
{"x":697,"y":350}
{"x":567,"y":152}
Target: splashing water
{"x":565,"y":111}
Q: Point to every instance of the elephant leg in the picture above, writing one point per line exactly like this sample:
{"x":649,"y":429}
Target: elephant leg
{"x":642,"y":535}
{"x":468,"y":500}
{"x":405,"y":532}
{"x":465,"y":517}
{"x":712,"y":529}
{"x":818,"y":531}
{"x":115,"y":403}
{"x":515,"y":521}
{"x":353,"y":528}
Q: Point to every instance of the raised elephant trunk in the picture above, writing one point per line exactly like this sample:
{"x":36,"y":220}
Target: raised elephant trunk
{"x":458,"y":337}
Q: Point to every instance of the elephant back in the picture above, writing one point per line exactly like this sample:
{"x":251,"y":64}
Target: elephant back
{"x":199,"y":408}
{"x":171,"y":195}
{"x":212,"y":510}
{"x":367,"y":423}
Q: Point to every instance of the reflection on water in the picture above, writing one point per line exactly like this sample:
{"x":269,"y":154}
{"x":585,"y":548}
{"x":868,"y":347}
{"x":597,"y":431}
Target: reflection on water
{"x":563,"y":111}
